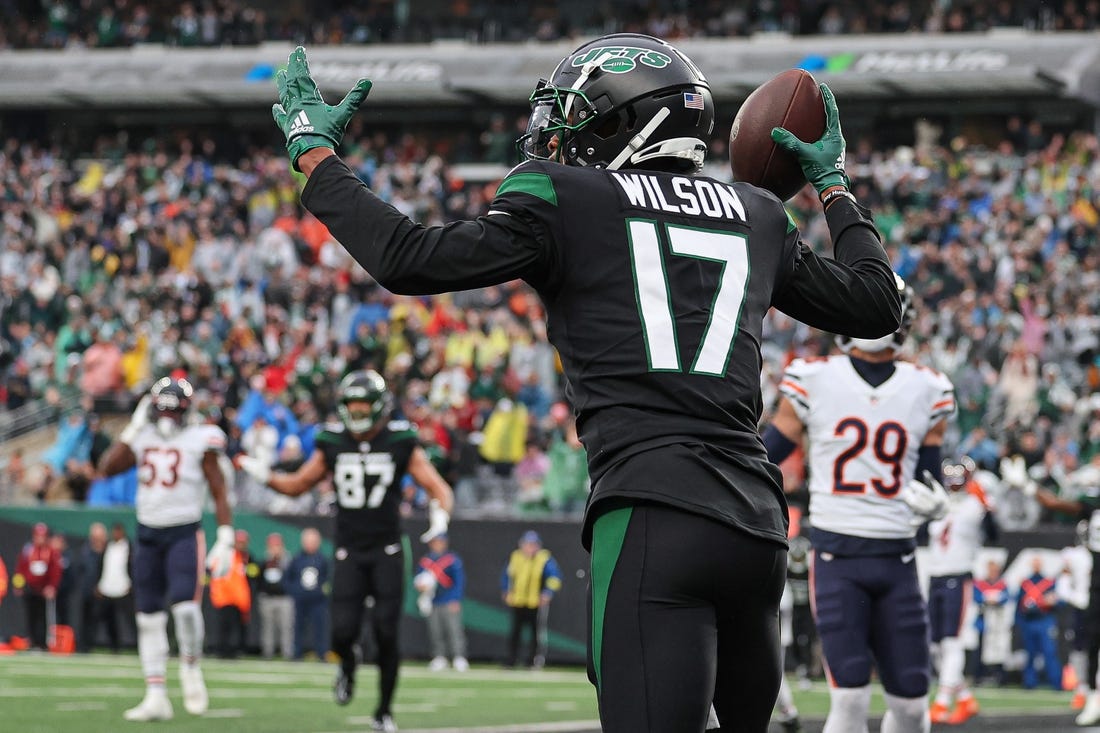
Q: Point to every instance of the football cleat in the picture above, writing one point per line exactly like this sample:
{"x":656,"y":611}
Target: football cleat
{"x":438,"y":664}
{"x":1090,"y":715}
{"x":794,"y":725}
{"x":195,"y":699}
{"x":965,"y":709}
{"x":384,"y":723}
{"x":154,"y":706}
{"x":344,"y":689}
{"x":1078,"y":701}
{"x":939,"y":713}
{"x":461,"y":665}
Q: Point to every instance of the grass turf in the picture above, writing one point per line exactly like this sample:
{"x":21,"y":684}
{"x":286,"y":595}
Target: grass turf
{"x":88,"y":693}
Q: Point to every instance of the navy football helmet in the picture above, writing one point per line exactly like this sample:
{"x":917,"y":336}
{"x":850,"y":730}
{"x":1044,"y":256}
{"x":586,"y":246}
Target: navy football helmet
{"x":170,"y":404}
{"x":956,"y":474}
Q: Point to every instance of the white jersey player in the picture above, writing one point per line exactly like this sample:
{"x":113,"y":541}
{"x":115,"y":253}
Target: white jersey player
{"x":953,"y":543}
{"x":871,"y":423}
{"x":175,"y":464}
{"x":1087,"y":511}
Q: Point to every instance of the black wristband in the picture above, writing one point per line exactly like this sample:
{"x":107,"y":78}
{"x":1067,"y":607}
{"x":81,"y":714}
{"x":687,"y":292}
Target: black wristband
{"x":833,"y":195}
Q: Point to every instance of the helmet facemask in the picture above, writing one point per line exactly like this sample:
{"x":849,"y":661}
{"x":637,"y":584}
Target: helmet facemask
{"x":171,"y":401}
{"x":553,"y":111}
{"x":359,"y":417}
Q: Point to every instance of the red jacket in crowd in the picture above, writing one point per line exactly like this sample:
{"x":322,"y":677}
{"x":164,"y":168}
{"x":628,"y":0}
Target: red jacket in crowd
{"x":39,"y":568}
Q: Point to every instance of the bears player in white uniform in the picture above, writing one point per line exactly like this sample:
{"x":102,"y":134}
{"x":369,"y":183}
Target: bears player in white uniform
{"x":953,"y":542}
{"x":871,"y":422}
{"x":1087,"y":509}
{"x":176,"y":463}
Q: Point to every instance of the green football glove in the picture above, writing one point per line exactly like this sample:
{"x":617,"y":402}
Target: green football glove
{"x":302,"y":114}
{"x":822,"y":161}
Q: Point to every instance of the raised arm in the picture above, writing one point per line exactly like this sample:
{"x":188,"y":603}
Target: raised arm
{"x":405,"y":257}
{"x":855,"y":294}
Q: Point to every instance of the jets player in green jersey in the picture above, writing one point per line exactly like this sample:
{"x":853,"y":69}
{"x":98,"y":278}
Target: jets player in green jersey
{"x":656,"y":282}
{"x":366,"y":455}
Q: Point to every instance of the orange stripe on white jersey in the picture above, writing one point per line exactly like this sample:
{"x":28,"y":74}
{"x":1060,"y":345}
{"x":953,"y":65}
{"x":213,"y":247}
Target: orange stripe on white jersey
{"x":975,"y":489}
{"x":794,"y":387}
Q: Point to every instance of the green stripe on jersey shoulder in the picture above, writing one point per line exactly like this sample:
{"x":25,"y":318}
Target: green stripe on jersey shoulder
{"x":328,"y":436}
{"x":538,"y":185}
{"x":791,"y":226}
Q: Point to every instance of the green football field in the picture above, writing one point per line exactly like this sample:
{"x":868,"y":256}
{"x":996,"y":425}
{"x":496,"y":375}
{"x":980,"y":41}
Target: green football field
{"x":88,"y":693}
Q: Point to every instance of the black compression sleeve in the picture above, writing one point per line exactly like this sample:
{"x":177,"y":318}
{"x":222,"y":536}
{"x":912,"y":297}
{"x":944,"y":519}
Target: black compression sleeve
{"x":929,"y":458}
{"x":778,"y":445}
{"x":409,"y":258}
{"x":855,"y":293}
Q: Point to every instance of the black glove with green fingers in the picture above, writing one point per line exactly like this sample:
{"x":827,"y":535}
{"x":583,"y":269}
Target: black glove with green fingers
{"x":302,"y":114}
{"x":822,"y":161}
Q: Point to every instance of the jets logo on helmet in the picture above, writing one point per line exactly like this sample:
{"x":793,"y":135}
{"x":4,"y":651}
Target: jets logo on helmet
{"x":364,"y":401}
{"x":895,"y":340}
{"x":621,"y":101}
{"x":621,"y":59}
{"x":170,"y":404}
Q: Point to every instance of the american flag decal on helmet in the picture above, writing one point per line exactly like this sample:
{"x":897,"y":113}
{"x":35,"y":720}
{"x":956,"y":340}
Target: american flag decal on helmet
{"x":693,"y":100}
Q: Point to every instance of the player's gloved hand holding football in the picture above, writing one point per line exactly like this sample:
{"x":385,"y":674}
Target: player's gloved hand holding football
{"x":823,"y":160}
{"x":303,"y":116}
{"x":220,"y":558}
{"x":438,"y":519}
{"x":138,"y":420}
{"x":928,"y":499}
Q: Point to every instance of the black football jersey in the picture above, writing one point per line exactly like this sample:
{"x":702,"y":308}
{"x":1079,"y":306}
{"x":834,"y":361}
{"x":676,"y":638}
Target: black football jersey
{"x":655,"y":286}
{"x":367,"y":479}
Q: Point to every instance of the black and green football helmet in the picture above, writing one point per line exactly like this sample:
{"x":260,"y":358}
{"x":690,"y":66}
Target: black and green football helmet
{"x":625,"y":100}
{"x":366,"y":390}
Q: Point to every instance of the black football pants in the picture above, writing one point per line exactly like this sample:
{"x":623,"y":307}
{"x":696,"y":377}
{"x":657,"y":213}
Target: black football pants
{"x":685,"y":611}
{"x":379,"y":573}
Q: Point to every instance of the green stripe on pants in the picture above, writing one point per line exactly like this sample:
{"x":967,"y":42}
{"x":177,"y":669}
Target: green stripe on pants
{"x":608,"y":534}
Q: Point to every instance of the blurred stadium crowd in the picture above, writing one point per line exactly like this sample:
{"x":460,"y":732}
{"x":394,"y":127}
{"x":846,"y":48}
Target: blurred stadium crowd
{"x":134,"y":259}
{"x":97,"y":24}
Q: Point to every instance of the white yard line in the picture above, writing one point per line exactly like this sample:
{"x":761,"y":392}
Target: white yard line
{"x":569,"y":726}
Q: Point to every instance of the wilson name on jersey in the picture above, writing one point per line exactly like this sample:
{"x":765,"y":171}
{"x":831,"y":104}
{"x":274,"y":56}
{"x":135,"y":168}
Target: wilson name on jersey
{"x":864,"y":440}
{"x":171,"y":484}
{"x":367,"y":478}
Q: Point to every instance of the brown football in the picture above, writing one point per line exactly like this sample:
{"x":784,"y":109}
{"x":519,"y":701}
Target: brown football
{"x":791,"y":100}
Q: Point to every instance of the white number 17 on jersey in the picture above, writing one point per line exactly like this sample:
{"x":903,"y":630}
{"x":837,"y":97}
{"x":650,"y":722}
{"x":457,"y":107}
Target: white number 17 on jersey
{"x":655,"y":302}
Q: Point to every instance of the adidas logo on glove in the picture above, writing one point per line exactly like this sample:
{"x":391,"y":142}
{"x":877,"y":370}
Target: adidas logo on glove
{"x":301,"y":125}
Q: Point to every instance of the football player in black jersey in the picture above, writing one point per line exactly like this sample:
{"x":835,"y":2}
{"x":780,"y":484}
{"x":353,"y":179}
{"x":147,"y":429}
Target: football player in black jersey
{"x":367,"y":455}
{"x":656,"y":282}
